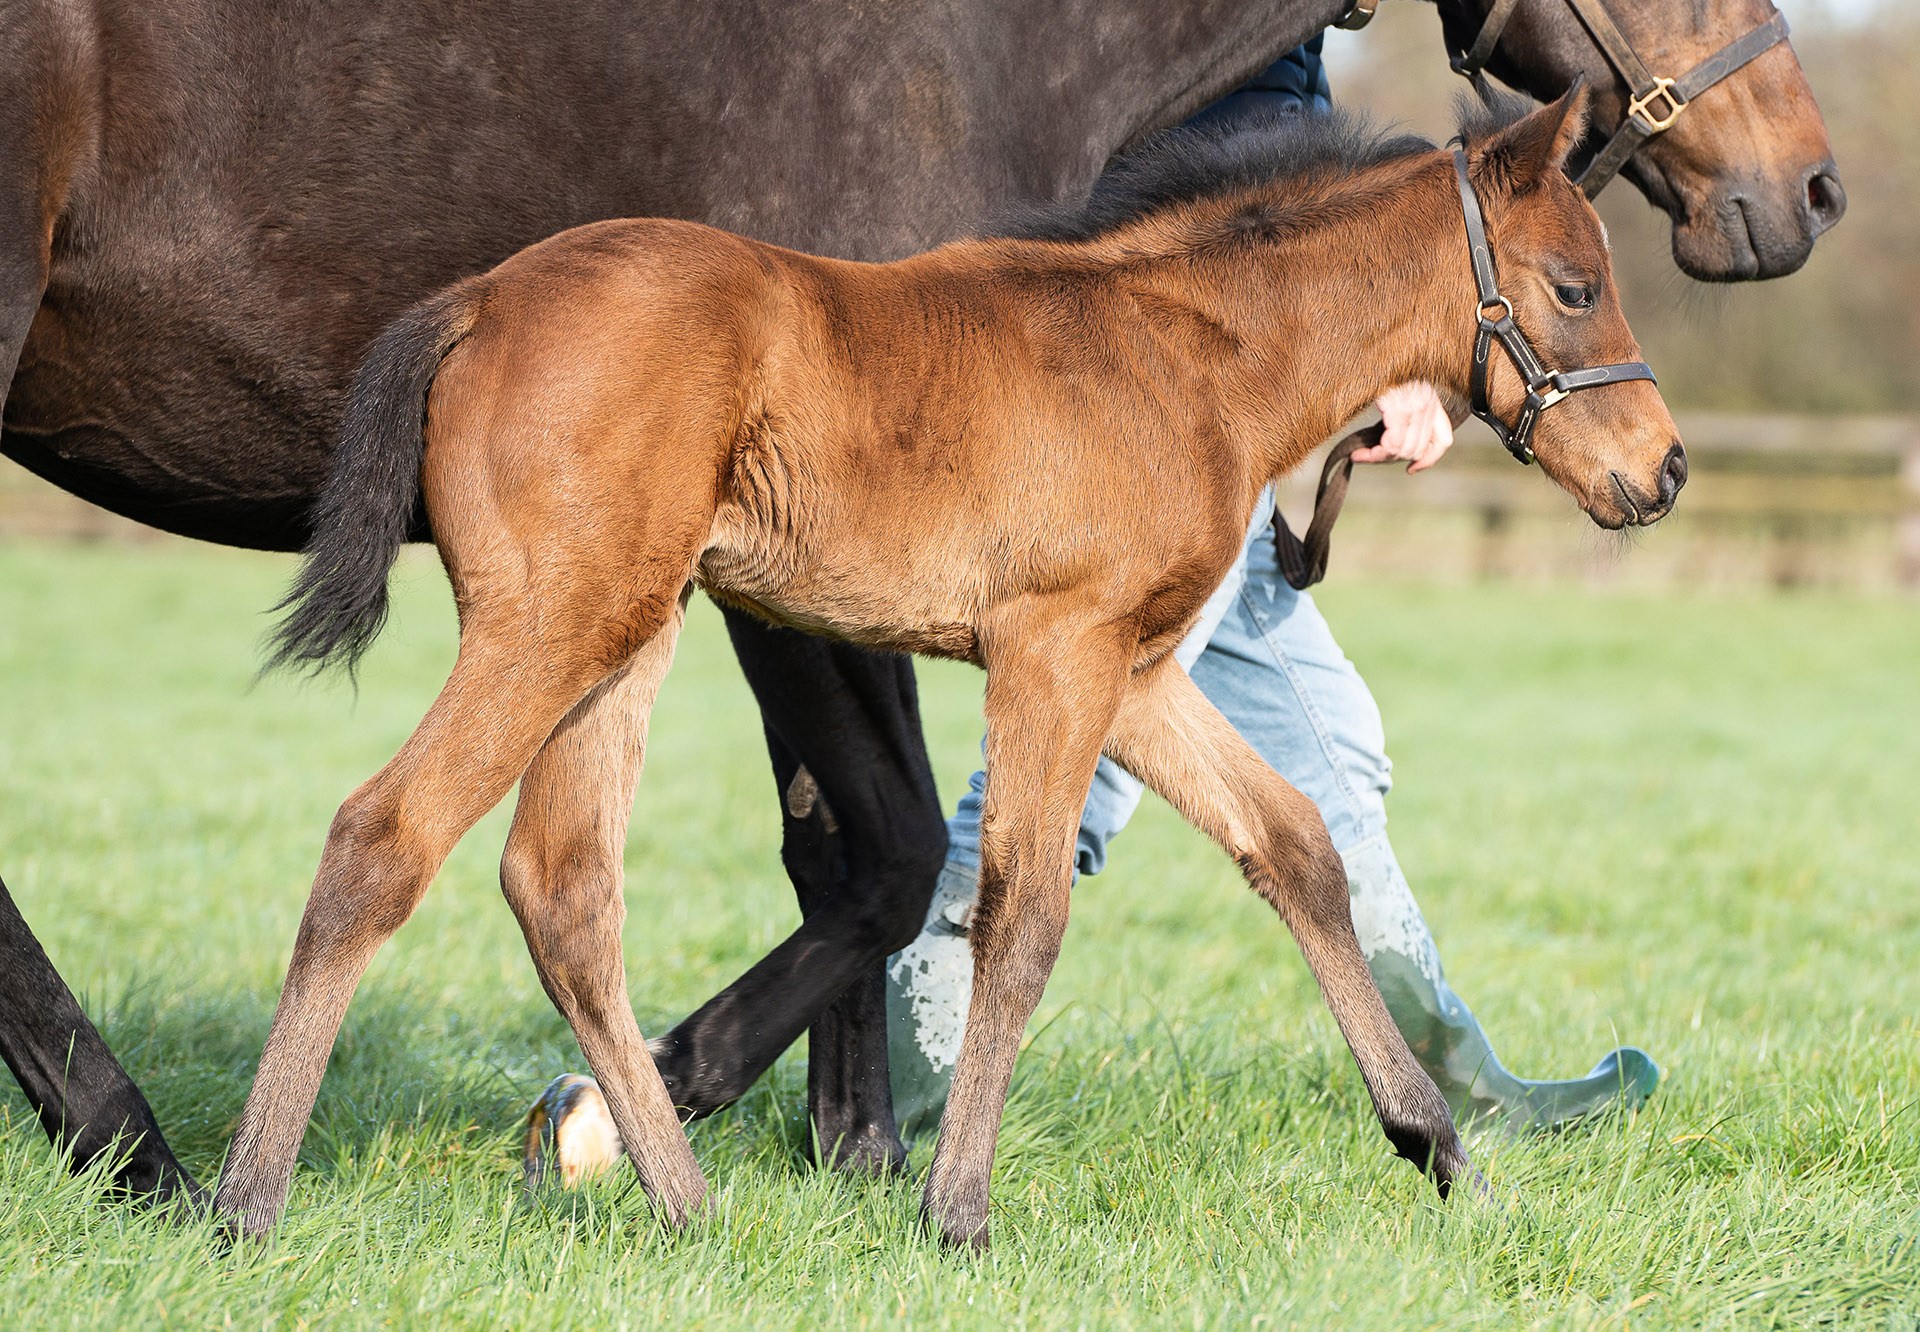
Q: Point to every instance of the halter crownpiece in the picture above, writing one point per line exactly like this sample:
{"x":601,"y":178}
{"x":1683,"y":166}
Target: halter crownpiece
{"x":1495,"y":316}
{"x":1654,"y":102}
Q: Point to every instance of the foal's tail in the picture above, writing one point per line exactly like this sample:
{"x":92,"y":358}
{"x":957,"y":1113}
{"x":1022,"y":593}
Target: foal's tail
{"x":338,"y":602}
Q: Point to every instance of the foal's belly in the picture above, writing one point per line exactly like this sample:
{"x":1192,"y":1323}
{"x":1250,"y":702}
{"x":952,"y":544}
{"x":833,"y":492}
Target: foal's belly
{"x":877,"y":602}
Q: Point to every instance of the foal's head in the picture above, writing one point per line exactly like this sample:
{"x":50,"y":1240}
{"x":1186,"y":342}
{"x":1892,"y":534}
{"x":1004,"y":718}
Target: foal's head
{"x":1613,"y":447}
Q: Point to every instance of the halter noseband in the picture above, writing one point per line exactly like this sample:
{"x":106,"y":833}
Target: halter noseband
{"x":1495,"y":313}
{"x":1653,"y":103}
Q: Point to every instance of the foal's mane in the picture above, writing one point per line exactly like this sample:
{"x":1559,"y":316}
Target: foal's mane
{"x":1310,"y":168}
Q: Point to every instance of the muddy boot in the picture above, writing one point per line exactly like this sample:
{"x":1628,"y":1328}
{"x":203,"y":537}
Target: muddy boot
{"x":1447,"y":1040}
{"x":1443,"y":1033}
{"x":929,"y":983}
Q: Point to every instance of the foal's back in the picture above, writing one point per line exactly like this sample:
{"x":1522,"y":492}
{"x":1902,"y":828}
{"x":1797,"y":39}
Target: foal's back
{"x":881,"y":451}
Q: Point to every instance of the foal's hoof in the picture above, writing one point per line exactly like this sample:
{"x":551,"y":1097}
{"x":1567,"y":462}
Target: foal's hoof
{"x":960,"y":1223}
{"x":570,"y":1134}
{"x":1456,"y":1177}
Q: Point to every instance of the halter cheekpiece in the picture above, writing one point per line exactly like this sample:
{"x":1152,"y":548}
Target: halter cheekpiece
{"x":1654,"y":103}
{"x":1495,"y":315}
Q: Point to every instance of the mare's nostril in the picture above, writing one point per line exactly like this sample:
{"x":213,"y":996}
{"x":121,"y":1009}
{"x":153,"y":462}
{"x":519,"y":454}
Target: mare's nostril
{"x":1673,"y":473}
{"x":1826,"y":200}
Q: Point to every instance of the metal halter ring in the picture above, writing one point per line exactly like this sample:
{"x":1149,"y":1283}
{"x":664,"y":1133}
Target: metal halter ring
{"x":1357,"y":15}
{"x":1637,"y":106}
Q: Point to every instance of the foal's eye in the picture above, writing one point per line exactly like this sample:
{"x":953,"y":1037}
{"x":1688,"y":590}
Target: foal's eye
{"x":1574,"y":295}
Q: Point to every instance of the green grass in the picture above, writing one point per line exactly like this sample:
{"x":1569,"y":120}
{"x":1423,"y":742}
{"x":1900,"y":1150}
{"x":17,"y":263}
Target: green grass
{"x":1685,"y":822}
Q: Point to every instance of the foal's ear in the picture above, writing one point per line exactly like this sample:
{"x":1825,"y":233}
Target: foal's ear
{"x":1534,"y":147}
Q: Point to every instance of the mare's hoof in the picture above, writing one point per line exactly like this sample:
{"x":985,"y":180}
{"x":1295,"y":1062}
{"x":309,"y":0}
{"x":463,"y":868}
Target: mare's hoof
{"x":869,"y":1150}
{"x":571,"y":1137}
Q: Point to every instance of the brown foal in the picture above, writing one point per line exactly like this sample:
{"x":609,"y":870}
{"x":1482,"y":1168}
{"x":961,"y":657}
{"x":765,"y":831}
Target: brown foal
{"x":1034,"y":454}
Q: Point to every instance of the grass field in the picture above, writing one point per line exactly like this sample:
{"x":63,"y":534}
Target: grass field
{"x":1685,"y":822}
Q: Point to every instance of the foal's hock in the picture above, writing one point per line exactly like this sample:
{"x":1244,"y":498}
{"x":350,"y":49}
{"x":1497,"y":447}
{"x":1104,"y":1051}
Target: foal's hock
{"x":1037,"y":453}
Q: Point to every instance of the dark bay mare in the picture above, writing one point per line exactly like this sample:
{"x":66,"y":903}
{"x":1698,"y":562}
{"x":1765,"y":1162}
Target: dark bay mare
{"x":208,"y":210}
{"x":632,"y":408}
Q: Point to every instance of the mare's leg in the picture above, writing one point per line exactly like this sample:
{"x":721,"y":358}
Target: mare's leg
{"x":524,"y":663}
{"x":1174,"y":740}
{"x":1051,"y":694}
{"x":863,"y":843}
{"x":84,"y":1099}
{"x":562,"y":875}
{"x":82,"y":1096}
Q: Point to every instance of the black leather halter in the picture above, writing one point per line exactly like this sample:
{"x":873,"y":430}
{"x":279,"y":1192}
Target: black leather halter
{"x":1654,"y":103}
{"x":1495,"y":314}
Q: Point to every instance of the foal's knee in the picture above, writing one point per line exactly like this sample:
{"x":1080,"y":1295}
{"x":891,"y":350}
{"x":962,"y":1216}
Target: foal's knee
{"x":1294,"y":865}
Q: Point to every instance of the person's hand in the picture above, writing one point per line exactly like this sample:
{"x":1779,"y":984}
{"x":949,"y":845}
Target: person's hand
{"x":1417,"y":429}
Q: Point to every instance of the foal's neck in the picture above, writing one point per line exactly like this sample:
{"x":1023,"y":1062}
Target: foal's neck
{"x":1331,"y":316}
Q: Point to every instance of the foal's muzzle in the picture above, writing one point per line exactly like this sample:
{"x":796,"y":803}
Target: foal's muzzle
{"x":1643,"y":508}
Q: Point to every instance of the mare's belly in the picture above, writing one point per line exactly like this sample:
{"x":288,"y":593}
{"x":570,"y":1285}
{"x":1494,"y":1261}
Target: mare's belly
{"x":159,"y":413}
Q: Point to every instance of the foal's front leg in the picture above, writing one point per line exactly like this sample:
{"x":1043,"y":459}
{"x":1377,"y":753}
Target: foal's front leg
{"x":1169,"y":736}
{"x":1050,"y":698}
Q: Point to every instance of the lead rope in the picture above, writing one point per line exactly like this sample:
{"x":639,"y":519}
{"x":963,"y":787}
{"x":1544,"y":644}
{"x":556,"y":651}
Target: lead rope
{"x":1304,"y":563}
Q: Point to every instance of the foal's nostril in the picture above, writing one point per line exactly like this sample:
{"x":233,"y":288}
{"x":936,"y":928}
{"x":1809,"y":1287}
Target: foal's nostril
{"x":1673,"y":473}
{"x":1826,"y":200}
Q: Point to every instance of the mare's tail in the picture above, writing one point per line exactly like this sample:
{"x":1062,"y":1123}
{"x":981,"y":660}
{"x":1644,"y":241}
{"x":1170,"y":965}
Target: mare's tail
{"x":338,"y":602}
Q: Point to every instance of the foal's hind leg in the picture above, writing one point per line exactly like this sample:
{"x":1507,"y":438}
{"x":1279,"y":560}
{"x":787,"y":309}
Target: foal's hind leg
{"x":1169,"y":736}
{"x":523,"y":665}
{"x":562,"y":875}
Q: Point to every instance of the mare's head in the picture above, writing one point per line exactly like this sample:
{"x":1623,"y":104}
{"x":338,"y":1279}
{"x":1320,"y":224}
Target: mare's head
{"x":1745,"y":171}
{"x":1613,"y":447}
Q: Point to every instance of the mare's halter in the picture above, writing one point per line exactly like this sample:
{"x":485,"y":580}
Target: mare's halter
{"x":1544,"y":388}
{"x":1654,"y":103}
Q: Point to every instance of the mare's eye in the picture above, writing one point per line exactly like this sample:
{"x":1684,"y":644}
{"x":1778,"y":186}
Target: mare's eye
{"x":1574,"y":295}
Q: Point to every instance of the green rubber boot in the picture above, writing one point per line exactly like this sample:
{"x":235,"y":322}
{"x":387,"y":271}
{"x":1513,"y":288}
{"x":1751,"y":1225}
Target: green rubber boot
{"x":930,"y":982}
{"x":1447,"y":1040}
{"x":1443,"y":1033}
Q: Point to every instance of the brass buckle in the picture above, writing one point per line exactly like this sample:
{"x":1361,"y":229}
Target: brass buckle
{"x":1637,"y":106}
